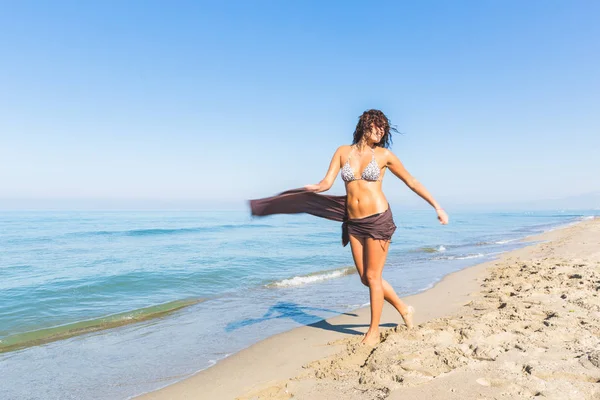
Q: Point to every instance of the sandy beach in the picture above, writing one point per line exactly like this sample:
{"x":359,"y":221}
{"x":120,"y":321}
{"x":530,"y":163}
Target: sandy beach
{"x":525,"y":325}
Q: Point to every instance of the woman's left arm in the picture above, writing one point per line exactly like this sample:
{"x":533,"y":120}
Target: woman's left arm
{"x":397,"y":168}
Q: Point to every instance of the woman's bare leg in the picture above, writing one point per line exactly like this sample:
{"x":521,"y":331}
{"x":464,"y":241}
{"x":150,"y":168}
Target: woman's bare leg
{"x":360,"y":259}
{"x":357,"y":245}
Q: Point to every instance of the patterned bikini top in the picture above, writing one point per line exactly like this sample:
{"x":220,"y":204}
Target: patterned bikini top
{"x":370,"y":173}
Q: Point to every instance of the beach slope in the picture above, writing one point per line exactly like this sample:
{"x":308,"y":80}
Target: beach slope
{"x":522,"y":326}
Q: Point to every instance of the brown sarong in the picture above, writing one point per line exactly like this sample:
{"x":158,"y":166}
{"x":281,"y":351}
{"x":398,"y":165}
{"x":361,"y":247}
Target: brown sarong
{"x":379,"y":226}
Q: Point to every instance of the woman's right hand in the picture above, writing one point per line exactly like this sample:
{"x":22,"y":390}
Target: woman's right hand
{"x":442,"y":216}
{"x":312,"y":188}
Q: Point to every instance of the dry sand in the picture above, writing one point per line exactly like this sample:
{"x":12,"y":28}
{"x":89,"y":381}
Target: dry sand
{"x":524,"y":326}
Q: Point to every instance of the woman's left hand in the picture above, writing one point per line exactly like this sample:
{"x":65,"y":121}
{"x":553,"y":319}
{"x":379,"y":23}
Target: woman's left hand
{"x":442,"y":216}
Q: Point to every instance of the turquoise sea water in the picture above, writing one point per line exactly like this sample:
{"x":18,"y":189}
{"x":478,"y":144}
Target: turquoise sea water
{"x":111,"y":304}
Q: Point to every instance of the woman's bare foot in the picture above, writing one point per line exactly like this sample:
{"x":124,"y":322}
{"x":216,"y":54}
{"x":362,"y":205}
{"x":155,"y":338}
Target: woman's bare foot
{"x":370,"y":338}
{"x":408,"y":317}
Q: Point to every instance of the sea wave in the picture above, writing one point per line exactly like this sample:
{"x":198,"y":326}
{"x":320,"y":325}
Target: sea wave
{"x":313,"y":277}
{"x":46,"y":335}
{"x":426,"y":249}
{"x":167,"y":231}
{"x":461,"y":257}
{"x":505,"y":241}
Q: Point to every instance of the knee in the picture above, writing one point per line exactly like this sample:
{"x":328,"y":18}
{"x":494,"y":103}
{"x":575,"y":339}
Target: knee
{"x":372,"y":280}
{"x":364,"y":280}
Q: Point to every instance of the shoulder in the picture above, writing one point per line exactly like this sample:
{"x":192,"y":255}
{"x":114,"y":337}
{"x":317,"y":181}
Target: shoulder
{"x":343,"y":150}
{"x":383,"y":152}
{"x":386,"y":155}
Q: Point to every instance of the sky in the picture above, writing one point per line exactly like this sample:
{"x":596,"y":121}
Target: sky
{"x":207,"y":104}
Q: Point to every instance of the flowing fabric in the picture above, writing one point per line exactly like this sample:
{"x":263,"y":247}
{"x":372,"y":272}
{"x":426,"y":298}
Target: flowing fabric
{"x":379,"y":226}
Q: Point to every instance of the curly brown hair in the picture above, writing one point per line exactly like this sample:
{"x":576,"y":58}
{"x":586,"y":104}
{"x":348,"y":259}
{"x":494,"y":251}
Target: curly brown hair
{"x":377,"y":118}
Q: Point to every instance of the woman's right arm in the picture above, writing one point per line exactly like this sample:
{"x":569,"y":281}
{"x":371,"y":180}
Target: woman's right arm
{"x":334,"y":168}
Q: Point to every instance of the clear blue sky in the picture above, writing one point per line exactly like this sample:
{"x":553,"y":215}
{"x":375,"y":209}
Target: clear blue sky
{"x":207,"y":103}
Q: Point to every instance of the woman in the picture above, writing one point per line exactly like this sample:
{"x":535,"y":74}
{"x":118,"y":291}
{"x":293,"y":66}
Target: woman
{"x":368,"y":222}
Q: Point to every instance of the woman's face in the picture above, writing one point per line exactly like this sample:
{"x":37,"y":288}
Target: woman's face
{"x":376,"y":133}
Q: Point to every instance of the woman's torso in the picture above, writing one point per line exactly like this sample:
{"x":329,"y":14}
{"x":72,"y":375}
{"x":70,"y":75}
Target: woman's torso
{"x":364,"y":197}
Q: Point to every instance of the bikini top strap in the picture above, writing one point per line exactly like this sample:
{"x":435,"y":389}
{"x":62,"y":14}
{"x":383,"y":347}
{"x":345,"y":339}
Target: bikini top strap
{"x":350,"y":153}
{"x":352,"y":149}
{"x":373,"y":154}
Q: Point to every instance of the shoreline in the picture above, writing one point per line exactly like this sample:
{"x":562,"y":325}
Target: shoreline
{"x":63,"y":330}
{"x":281,"y":358}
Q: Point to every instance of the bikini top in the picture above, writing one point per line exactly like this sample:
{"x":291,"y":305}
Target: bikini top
{"x":370,"y":173}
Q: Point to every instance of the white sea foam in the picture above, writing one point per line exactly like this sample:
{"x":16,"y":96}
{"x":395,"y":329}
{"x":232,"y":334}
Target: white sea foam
{"x":470,"y":256}
{"x":505,"y":241}
{"x":313,"y":278}
{"x":465,"y":257}
{"x":429,"y":286}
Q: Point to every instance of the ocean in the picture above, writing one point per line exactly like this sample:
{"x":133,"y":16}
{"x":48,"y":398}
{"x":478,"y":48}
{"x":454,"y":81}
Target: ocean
{"x":111,"y":304}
